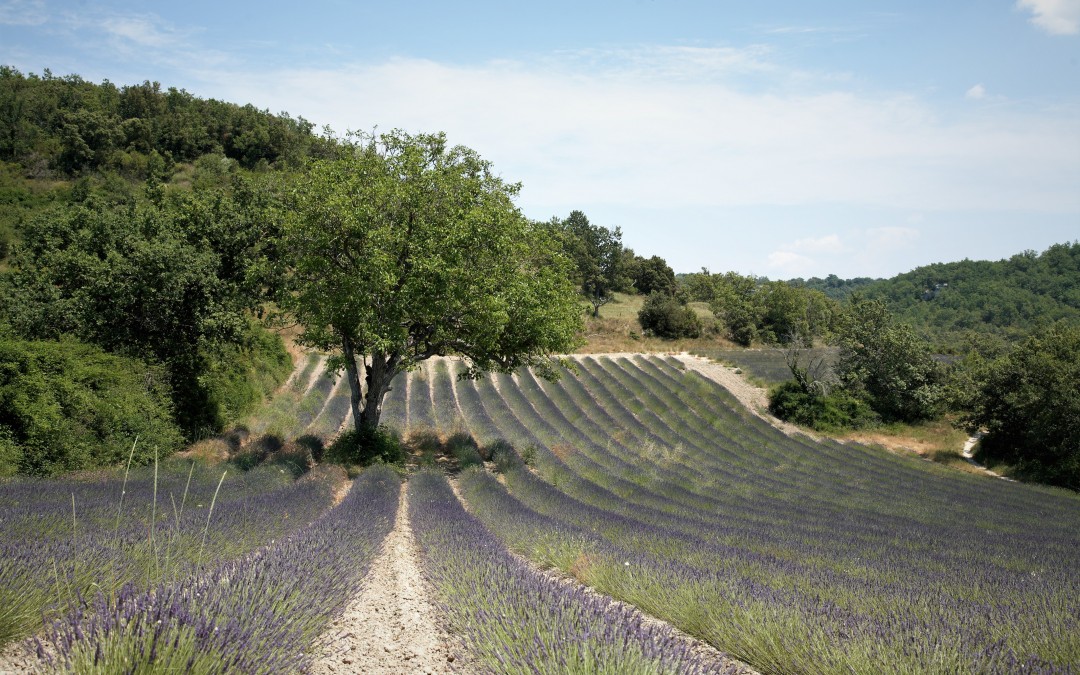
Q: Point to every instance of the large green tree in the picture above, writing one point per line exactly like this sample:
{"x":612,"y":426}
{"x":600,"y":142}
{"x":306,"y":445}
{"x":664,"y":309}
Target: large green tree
{"x":404,"y":248}
{"x":597,"y":253}
{"x":1028,"y":403}
{"x":886,"y":363}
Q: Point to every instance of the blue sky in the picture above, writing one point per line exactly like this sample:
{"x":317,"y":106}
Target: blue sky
{"x":776,"y":138}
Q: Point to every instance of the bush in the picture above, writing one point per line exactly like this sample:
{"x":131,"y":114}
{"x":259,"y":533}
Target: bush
{"x":238,"y":378}
{"x":665,"y":316}
{"x":1029,"y":405}
{"x":67,"y":406}
{"x":367,"y":446}
{"x":823,"y":412}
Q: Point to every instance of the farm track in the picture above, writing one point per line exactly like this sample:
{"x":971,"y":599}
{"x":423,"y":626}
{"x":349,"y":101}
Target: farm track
{"x":17,"y":659}
{"x":390,"y":627}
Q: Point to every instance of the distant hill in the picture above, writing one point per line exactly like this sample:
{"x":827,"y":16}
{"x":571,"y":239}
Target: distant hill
{"x":833,"y":286}
{"x":1006,"y":297}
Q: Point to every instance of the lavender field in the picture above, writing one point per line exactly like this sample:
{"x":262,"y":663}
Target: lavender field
{"x":650,"y":484}
{"x":636,"y":477}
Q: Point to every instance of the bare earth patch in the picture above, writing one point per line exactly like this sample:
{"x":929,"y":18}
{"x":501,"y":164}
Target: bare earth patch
{"x":15,"y":658}
{"x":391,"y":625}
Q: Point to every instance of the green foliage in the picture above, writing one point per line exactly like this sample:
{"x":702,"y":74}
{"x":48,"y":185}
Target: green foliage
{"x":788,"y":313}
{"x":238,"y":377}
{"x":752,"y":309}
{"x":833,"y":287}
{"x":172,"y":280}
{"x":1028,"y":402}
{"x":1009,"y":297}
{"x":665,"y":316}
{"x":404,"y":248}
{"x":834,"y":411}
{"x":367,"y":445}
{"x":67,"y":406}
{"x":600,"y":266}
{"x":67,"y":126}
{"x":734,"y":303}
{"x":653,"y":275}
{"x":887,"y":364}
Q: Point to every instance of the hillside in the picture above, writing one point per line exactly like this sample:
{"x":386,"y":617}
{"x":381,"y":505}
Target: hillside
{"x":1008,"y":297}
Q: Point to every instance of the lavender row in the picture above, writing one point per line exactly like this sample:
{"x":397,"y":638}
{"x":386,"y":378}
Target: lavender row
{"x":516,"y":620}
{"x":259,"y":614}
{"x":139,"y":533}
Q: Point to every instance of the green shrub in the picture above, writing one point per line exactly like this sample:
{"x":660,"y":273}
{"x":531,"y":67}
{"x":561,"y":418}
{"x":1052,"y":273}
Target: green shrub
{"x":67,"y":405}
{"x":464,"y":448}
{"x":837,"y":410}
{"x":367,"y":446}
{"x":238,"y":378}
{"x":1028,"y":403}
{"x":666,"y":316}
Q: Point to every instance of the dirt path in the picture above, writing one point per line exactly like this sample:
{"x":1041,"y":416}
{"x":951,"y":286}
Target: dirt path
{"x":390,"y":627}
{"x":754,"y":398}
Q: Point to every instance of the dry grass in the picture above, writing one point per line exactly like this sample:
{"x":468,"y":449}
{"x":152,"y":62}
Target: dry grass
{"x":936,"y":440}
{"x":210,"y":451}
{"x":618,"y":330}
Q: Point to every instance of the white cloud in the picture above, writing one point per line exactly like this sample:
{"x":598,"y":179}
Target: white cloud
{"x":143,"y":31}
{"x":861,"y":251}
{"x":1057,"y":17}
{"x":144,"y":42}
{"x":787,"y":264}
{"x":883,"y":239}
{"x":23,"y":13}
{"x":617,"y":130}
{"x":976,"y":92}
{"x":828,"y":244}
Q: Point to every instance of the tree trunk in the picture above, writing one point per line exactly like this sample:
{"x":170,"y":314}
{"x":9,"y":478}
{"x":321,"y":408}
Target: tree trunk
{"x":353,"y":375}
{"x":382,"y":371}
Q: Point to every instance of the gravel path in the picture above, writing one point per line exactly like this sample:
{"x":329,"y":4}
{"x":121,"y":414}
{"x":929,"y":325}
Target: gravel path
{"x":391,"y":625}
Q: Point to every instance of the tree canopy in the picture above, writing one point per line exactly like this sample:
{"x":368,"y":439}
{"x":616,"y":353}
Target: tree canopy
{"x":885,"y":362}
{"x":172,"y":279}
{"x":1028,"y":402}
{"x":1011,"y":297}
{"x":598,"y":257}
{"x":404,"y":248}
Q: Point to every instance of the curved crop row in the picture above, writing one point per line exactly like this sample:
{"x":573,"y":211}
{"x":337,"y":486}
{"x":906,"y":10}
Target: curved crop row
{"x":790,"y":553}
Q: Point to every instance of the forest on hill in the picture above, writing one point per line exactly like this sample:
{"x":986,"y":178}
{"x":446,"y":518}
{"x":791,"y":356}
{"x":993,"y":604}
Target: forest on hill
{"x":1008,"y":297}
{"x":947,"y":302}
{"x":136,"y":231}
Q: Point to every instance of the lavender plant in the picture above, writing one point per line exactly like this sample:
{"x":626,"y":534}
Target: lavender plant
{"x":53,"y":554}
{"x":257,"y":614}
{"x":516,"y":620}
